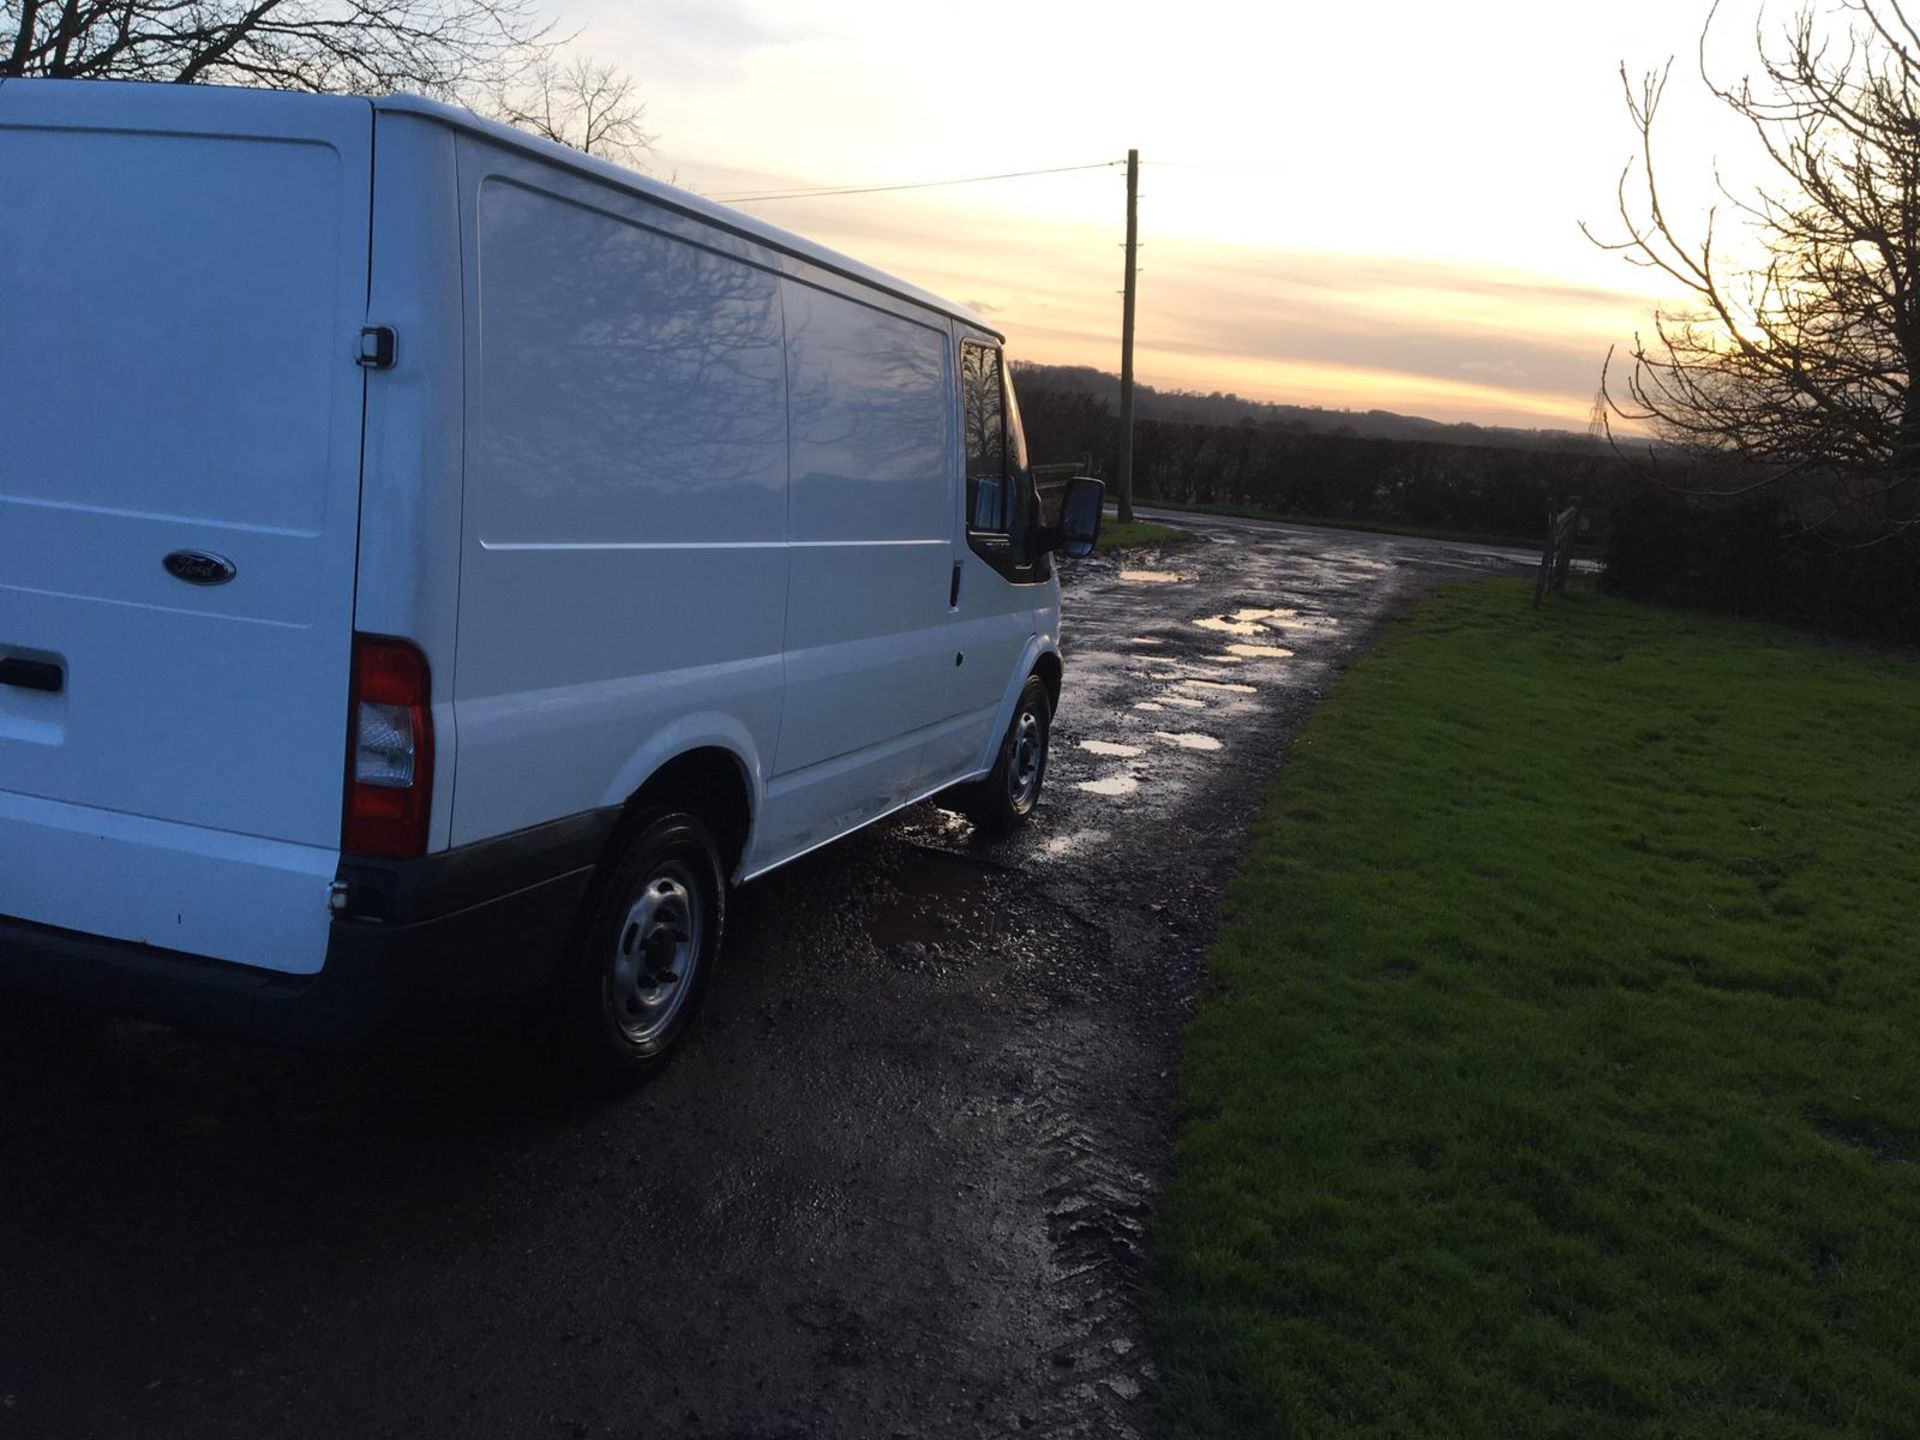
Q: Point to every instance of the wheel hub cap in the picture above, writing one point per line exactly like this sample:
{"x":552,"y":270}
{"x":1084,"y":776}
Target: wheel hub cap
{"x":655,"y":955}
{"x":1029,"y":748}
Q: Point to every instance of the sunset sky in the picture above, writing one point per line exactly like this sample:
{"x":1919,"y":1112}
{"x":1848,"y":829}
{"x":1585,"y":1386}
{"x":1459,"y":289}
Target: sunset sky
{"x":1342,"y":204}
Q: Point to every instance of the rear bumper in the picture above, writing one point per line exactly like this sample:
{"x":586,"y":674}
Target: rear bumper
{"x":422,"y":945}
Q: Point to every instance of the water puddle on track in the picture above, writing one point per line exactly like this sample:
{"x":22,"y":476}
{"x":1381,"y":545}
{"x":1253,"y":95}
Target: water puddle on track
{"x":1152,"y":577}
{"x":1230,"y":627}
{"x":1113,"y":748}
{"x":1188,"y":739}
{"x":942,"y":898}
{"x":1111,"y":785}
{"x":1226,"y":685}
{"x":1258,"y":623}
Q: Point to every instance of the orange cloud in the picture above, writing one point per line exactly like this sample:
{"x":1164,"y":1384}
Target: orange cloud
{"x":1456,"y":342}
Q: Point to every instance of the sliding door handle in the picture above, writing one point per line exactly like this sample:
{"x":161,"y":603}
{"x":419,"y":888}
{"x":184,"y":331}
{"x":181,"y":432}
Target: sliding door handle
{"x":31,"y":674}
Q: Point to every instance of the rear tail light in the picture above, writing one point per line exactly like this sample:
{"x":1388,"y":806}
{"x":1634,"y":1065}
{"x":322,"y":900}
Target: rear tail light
{"x":389,"y":751}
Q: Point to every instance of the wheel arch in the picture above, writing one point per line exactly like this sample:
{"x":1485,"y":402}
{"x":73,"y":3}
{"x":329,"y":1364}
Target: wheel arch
{"x":708,"y":773}
{"x":1042,"y":658}
{"x":1048,"y":667}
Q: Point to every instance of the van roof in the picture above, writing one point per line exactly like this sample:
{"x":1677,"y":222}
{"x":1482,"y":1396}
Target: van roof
{"x":52,"y":98}
{"x":682,"y":200}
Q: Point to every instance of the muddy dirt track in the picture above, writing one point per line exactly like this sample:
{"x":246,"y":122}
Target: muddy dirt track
{"x":897,"y":1183}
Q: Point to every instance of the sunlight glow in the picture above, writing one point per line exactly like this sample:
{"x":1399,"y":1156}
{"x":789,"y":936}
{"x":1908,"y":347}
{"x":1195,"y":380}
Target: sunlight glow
{"x":1356,"y":206}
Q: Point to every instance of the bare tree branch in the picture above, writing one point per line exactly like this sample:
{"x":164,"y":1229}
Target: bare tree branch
{"x":1796,"y":374}
{"x":499,"y":56}
{"x":588,"y":104}
{"x":448,"y":48}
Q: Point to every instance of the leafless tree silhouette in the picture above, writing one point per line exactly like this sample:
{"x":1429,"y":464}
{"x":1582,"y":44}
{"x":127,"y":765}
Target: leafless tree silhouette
{"x":498,"y":56}
{"x":1798,"y":368}
{"x":441,"y":47}
{"x":588,"y":104}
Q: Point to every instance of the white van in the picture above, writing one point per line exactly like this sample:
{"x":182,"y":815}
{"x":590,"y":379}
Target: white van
{"x":434,"y":563}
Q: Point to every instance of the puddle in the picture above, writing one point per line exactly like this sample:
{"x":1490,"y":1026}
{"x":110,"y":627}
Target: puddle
{"x":1148,"y":705}
{"x":1224,"y":659}
{"x":1262,"y":652}
{"x":1112,"y":785}
{"x":1145,"y":640}
{"x":1109,"y":747}
{"x":1255,"y":621}
{"x":1185,"y":702}
{"x":942,"y":897}
{"x":1234,"y":687}
{"x":1189,"y":740}
{"x":1152,"y":577}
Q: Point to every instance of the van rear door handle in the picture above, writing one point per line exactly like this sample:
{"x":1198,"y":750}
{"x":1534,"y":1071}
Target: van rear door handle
{"x":953,"y":590}
{"x":31,"y":674}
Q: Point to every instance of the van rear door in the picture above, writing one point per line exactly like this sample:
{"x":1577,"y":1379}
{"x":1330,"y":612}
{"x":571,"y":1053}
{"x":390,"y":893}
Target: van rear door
{"x":185,"y":275}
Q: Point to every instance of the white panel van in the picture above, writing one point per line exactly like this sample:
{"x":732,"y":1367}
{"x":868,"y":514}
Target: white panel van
{"x":434,"y":565}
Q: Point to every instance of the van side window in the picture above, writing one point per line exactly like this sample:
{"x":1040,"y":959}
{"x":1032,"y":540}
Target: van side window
{"x":986,"y":439}
{"x":1001,"y":504}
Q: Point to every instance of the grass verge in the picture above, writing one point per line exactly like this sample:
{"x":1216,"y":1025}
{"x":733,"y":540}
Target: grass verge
{"x":1135,"y":533}
{"x":1558,"y":1073}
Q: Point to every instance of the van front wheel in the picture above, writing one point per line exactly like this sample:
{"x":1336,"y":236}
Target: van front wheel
{"x":1006,"y":797}
{"x":641,"y":958}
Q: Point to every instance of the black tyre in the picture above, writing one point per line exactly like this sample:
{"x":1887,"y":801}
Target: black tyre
{"x":643,"y":952}
{"x":1006,"y":797}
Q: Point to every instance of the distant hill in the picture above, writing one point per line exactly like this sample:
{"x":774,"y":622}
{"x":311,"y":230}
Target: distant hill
{"x":1216,"y":408}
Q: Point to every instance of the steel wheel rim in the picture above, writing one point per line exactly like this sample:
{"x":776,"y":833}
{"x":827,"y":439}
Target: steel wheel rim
{"x":655,"y":954}
{"x":1029,"y":754}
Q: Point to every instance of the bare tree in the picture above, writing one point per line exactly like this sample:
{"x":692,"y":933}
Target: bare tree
{"x":441,"y":47}
{"x":1798,"y":367}
{"x":498,"y":56}
{"x":588,"y":104}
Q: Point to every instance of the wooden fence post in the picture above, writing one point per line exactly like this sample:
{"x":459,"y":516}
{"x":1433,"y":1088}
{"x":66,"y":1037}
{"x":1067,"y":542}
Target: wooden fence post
{"x":1556,"y":559}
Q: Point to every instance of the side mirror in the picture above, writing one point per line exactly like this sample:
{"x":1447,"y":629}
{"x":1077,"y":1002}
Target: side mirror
{"x":1079,"y":527}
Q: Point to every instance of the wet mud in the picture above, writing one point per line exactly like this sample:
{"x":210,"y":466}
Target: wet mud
{"x":897,"y":1184}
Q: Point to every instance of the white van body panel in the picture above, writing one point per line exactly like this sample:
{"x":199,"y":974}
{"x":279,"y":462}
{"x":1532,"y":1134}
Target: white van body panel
{"x":185,"y":279}
{"x":870,"y":524}
{"x":187,"y":888}
{"x":414,"y":454}
{"x":712,"y":488}
{"x":624,"y":562}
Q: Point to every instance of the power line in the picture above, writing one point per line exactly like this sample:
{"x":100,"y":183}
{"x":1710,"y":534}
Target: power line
{"x":1234,"y":168}
{"x":741,"y":196}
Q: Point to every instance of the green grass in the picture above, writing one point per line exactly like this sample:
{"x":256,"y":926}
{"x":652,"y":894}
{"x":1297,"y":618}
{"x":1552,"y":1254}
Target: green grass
{"x":1559,"y":1071}
{"x":1135,"y":533}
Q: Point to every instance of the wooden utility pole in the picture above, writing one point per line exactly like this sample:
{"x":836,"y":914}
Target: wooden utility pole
{"x":1126,"y":343}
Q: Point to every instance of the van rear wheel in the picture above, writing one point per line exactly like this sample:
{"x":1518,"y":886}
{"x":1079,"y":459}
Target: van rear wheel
{"x":642,"y":956}
{"x":1007,"y":796}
